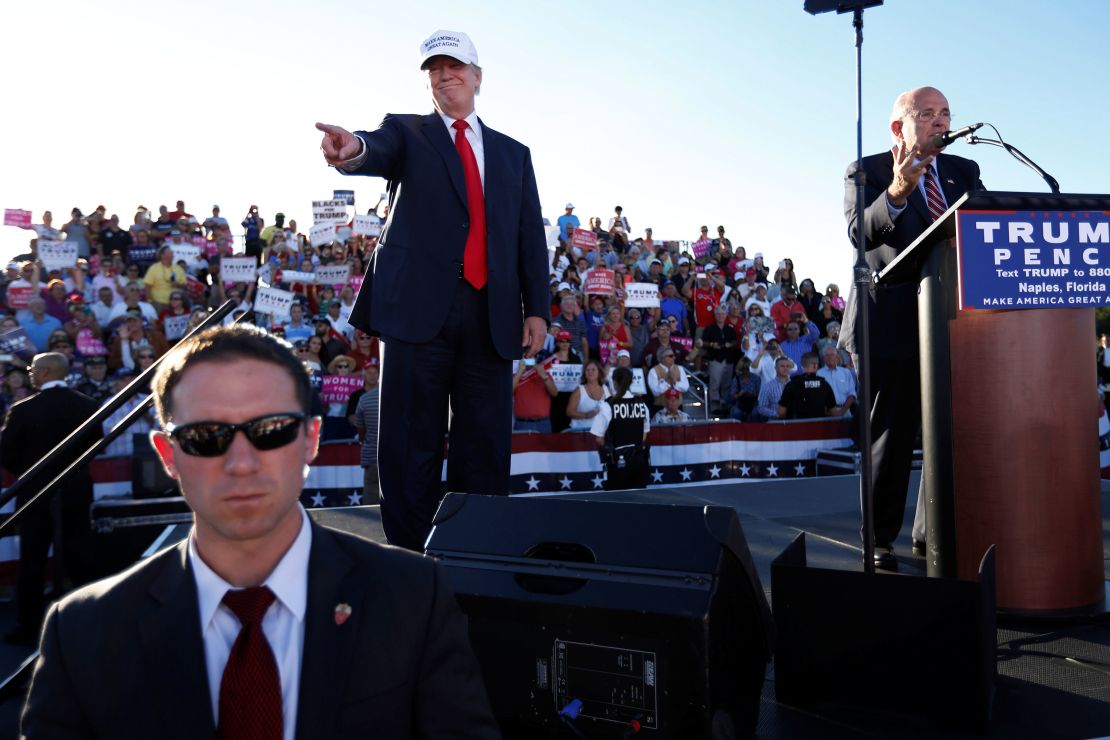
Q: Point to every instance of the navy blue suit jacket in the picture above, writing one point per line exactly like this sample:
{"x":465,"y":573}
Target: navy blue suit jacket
{"x":410,"y":281}
{"x":893,"y":309}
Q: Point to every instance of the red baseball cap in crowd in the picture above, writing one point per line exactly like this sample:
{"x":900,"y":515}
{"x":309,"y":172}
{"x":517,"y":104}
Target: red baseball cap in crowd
{"x":672,"y":393}
{"x":563,"y":336}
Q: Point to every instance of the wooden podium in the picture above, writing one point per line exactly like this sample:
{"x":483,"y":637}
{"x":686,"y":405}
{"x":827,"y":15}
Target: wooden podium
{"x":1008,"y":421}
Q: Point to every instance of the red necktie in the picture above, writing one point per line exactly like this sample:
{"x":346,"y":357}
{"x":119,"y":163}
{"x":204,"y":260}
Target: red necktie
{"x":250,"y":691}
{"x":474,"y":258}
{"x":934,"y":195}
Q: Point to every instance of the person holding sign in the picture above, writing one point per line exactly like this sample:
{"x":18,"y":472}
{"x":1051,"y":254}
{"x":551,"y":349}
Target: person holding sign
{"x":464,"y":211}
{"x":906,"y":188}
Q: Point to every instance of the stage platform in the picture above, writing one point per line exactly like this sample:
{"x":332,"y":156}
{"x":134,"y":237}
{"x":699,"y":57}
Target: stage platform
{"x":1053,"y":678}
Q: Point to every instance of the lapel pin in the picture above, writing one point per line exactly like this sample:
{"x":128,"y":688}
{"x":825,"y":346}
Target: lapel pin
{"x":950,"y":181}
{"x":342,"y":613}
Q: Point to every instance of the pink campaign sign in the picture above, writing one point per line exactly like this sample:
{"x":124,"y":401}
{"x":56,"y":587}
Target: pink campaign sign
{"x":338,"y":388}
{"x":17,"y":217}
{"x":701,"y":248}
{"x":686,"y":343}
{"x":88,"y":345}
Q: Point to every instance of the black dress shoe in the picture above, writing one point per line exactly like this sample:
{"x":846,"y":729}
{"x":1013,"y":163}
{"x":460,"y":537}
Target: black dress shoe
{"x":883,"y":559}
{"x":918,"y":548}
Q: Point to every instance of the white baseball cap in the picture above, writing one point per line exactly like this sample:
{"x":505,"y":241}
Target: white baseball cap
{"x":570,"y":205}
{"x":455,"y":44}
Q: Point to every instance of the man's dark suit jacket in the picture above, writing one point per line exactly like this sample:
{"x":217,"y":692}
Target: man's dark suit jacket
{"x":35,"y":426}
{"x":124,"y":657}
{"x":893,"y":310}
{"x":410,"y":281}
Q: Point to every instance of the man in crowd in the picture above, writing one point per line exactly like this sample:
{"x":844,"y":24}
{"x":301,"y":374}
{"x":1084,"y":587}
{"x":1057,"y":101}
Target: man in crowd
{"x":787,"y":310}
{"x":671,"y":413}
{"x":842,"y":380}
{"x":38,"y":324}
{"x":533,"y":389}
{"x":448,"y":168}
{"x":808,"y":395}
{"x":662,"y":340}
{"x":567,"y":223}
{"x":907,"y":188}
{"x":260,"y":623}
{"x":770,"y":392}
{"x":163,"y":277}
{"x":33,"y":427}
{"x":801,"y":335}
{"x":95,"y":383}
{"x":720,"y":343}
{"x":366,"y":423}
{"x":131,"y":303}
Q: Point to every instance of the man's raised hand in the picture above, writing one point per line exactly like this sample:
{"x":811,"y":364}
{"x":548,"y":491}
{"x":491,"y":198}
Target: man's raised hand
{"x":907,"y":173}
{"x":338,"y":144}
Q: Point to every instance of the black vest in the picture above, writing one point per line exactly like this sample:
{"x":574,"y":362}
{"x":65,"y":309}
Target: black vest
{"x":627,"y":425}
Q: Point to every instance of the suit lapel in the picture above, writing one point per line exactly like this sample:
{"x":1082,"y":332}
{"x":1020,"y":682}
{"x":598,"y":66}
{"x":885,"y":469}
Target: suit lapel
{"x":174,"y":649}
{"x":491,"y":143}
{"x":951,"y":180}
{"x":437,"y":135}
{"x":328,"y":646}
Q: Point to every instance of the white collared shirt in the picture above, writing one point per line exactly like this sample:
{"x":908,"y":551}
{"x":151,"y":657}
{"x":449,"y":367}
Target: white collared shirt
{"x":52,"y":384}
{"x":473,"y":135}
{"x":283,"y":623}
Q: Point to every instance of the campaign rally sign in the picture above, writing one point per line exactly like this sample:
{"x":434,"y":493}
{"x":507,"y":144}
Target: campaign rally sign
{"x":142,"y":255}
{"x":273,"y":301}
{"x":19,"y":295}
{"x":347,"y":196}
{"x":296,"y":276}
{"x":17,"y":217}
{"x":265,"y":275}
{"x":639,"y":385}
{"x":701,"y":248}
{"x":599,"y":282}
{"x":329,"y":212}
{"x":175,"y":326}
{"x":687,"y":343}
{"x":567,"y":377}
{"x":88,"y":344}
{"x":57,"y":255}
{"x":237,"y":269}
{"x":338,"y":388}
{"x":16,"y":342}
{"x":321,"y":234}
{"x":584,"y":239}
{"x":641,"y":295}
{"x":368,"y":225}
{"x":1033,"y":259}
{"x":355,"y":282}
{"x":188,"y":252}
{"x":333,"y":274}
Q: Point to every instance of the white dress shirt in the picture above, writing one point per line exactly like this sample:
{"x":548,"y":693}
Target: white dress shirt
{"x":473,"y":135}
{"x":283,"y":623}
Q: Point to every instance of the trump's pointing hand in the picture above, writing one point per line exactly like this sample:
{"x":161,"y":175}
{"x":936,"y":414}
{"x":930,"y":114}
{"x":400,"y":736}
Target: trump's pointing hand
{"x":338,"y":144}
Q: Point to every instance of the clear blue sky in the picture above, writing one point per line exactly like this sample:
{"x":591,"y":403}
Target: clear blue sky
{"x":738,"y":113}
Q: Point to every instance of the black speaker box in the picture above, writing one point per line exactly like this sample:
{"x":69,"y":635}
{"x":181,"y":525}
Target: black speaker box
{"x":604,"y":619}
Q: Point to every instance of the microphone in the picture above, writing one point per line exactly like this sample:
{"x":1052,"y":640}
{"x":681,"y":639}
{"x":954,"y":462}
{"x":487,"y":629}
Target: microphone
{"x":942,"y":140}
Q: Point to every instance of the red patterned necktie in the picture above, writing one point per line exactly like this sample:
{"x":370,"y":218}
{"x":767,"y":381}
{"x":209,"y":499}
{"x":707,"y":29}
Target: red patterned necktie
{"x":474,"y":258}
{"x":250,"y":691}
{"x":934,"y":195}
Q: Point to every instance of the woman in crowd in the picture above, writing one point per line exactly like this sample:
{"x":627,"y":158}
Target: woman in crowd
{"x":564,"y":355}
{"x":810,"y":298}
{"x":744,"y":391}
{"x":621,"y":428}
{"x":612,"y":336}
{"x":178,"y":306}
{"x":586,"y":399}
{"x":826,"y":314}
{"x":832,"y":293}
{"x":310,"y":352}
{"x":14,"y":387}
{"x":785,"y":273}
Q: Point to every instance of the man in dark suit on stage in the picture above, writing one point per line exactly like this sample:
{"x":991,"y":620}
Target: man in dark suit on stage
{"x":34,"y":427}
{"x":261,"y":624}
{"x":456,"y":287}
{"x":907,"y":189}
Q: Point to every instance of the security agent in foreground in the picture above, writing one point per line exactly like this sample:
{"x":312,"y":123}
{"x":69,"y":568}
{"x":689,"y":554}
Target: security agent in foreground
{"x":261,"y":624}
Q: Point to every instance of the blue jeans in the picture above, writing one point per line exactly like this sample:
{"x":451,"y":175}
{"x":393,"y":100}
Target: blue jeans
{"x":532,"y":425}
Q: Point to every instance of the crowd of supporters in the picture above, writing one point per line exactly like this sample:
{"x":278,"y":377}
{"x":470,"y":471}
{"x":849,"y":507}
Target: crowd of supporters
{"x":743,"y":326}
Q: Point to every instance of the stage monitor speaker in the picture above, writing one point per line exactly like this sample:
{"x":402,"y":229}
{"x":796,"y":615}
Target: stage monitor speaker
{"x":613,"y":618}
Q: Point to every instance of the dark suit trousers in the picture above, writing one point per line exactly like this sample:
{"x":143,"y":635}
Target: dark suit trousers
{"x":460,"y":369}
{"x":74,"y":555}
{"x":895,"y":421}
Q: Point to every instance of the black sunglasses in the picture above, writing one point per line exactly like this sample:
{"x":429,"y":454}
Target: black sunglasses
{"x":213,"y":438}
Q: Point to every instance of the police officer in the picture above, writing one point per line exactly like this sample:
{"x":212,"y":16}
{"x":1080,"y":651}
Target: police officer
{"x":621,"y":428}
